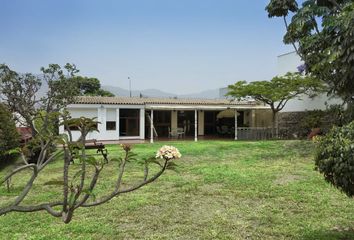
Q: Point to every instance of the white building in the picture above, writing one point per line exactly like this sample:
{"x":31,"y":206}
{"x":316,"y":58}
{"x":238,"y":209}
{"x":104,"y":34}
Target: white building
{"x":289,"y":62}
{"x":122,"y":118}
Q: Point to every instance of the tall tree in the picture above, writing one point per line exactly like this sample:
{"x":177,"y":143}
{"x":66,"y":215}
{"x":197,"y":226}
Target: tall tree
{"x":9,"y":138}
{"x":90,"y":87}
{"x":277,"y":92}
{"x":19,"y":92}
{"x":321,"y":32}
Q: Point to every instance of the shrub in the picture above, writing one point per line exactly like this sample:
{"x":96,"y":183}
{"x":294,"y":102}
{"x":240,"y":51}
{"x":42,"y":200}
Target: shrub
{"x":335,"y":158}
{"x":313,"y":119}
{"x":32,"y":148}
{"x":9,"y":137}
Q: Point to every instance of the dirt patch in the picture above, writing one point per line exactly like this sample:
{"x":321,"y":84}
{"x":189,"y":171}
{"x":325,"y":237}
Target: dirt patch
{"x":286,"y":179}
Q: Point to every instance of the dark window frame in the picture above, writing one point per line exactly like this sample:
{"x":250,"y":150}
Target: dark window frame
{"x":111,"y":125}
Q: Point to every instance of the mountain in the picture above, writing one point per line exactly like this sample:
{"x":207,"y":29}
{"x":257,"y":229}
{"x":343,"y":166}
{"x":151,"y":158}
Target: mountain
{"x":118,"y":91}
{"x":211,"y":94}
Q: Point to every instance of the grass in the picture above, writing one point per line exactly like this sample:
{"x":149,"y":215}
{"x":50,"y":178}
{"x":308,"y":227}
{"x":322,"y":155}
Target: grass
{"x":222,"y":190}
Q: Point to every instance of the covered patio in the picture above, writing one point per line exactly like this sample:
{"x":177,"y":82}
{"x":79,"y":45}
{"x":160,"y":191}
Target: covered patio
{"x":186,"y":123}
{"x":125,"y":118}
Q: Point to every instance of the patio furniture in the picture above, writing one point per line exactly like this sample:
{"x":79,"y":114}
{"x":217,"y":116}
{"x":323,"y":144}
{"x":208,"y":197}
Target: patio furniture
{"x":172,"y":132}
{"x":181,"y":132}
{"x":101,"y":148}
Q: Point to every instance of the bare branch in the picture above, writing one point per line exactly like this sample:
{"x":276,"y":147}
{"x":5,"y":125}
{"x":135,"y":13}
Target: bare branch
{"x":46,"y":206}
{"x":17,"y":170}
{"x":116,"y":193}
{"x":292,"y":42}
{"x":27,"y":188}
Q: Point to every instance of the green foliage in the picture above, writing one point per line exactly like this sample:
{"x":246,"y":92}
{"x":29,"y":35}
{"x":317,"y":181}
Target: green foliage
{"x":279,"y":90}
{"x":46,"y":124}
{"x":240,"y":190}
{"x":335,"y":158}
{"x":323,"y":33}
{"x":19,"y":91}
{"x":9,"y":138}
{"x":313,"y":119}
{"x":281,"y":7}
{"x":89,"y":86}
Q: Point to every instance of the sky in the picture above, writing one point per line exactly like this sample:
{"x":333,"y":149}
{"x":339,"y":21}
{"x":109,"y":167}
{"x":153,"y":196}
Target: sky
{"x":178,"y":46}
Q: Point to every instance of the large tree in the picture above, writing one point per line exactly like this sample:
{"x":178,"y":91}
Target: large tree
{"x":90,"y":87}
{"x":9,"y":138}
{"x":78,"y":185}
{"x":278,"y":91}
{"x":20,"y":92}
{"x":321,"y":32}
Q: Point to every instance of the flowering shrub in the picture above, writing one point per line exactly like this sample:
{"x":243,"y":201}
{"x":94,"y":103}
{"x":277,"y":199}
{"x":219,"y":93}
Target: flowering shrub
{"x":168,"y":153}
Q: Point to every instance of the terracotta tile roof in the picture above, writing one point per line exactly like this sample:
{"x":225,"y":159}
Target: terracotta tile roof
{"x":145,"y":101}
{"x":25,"y":133}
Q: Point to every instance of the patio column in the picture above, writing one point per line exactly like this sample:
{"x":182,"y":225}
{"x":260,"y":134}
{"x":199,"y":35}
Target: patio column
{"x":195,"y":125}
{"x":253,"y":118}
{"x":152,"y":126}
{"x":101,"y":126}
{"x":235,"y":124}
{"x":142,"y":124}
{"x":117,"y":123}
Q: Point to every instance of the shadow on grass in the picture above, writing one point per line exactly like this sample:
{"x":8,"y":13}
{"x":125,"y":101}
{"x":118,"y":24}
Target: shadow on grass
{"x":340,"y":234}
{"x":7,"y":162}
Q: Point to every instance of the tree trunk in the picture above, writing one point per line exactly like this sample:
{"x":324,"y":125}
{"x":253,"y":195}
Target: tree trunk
{"x":274,"y":131}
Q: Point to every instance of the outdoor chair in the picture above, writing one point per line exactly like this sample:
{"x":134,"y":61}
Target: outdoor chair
{"x":224,"y":130}
{"x":172,"y":133}
{"x":181,"y":132}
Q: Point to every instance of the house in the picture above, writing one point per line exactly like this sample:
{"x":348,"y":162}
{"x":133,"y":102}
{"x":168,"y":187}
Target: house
{"x":25,"y":134}
{"x":123,"y":118}
{"x":289,"y":62}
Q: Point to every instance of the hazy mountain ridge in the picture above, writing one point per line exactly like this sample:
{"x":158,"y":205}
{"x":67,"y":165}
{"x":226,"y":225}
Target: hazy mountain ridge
{"x":118,"y":91}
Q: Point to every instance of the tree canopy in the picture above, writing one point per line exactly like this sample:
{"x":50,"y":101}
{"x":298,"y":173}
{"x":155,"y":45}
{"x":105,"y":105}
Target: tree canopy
{"x":90,"y":87}
{"x":9,"y":138}
{"x":19,"y":91}
{"x":321,"y":32}
{"x":278,"y":91}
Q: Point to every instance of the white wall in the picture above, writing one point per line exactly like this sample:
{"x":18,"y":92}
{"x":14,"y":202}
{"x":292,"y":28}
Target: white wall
{"x":104,"y":113}
{"x":79,"y":112}
{"x":288,"y":63}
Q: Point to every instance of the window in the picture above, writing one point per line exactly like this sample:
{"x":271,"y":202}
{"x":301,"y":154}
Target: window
{"x":110,"y":125}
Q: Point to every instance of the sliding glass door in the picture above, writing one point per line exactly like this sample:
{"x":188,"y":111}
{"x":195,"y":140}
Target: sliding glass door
{"x":129,"y":121}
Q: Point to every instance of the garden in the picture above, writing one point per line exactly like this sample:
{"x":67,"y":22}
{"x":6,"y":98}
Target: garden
{"x":219,"y":190}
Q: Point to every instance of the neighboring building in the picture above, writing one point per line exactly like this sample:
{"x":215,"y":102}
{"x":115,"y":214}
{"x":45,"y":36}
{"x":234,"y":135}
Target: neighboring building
{"x":290,"y":119}
{"x":223,"y":92}
{"x":139,"y":118}
{"x":289,"y":62}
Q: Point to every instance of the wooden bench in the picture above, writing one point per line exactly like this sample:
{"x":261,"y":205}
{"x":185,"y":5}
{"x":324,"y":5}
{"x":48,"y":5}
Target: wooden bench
{"x":101,"y":148}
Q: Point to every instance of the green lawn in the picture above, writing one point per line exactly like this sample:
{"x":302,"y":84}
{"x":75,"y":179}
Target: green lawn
{"x":222,"y":190}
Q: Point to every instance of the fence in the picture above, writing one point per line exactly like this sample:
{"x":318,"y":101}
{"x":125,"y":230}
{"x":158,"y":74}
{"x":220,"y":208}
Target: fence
{"x":254,"y":133}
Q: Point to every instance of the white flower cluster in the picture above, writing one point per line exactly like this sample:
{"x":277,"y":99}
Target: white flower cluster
{"x":168,"y":153}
